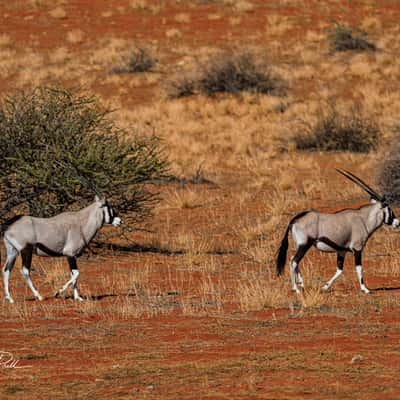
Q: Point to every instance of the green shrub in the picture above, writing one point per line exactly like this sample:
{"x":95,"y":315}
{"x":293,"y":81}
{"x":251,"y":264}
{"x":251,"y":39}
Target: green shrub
{"x":334,"y":131}
{"x":56,"y":145}
{"x":228,"y":71}
{"x":342,"y":37}
{"x":389,"y":174}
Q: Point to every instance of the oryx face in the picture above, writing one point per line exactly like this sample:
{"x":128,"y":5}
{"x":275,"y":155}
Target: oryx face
{"x":390,"y":217}
{"x":109,"y":214}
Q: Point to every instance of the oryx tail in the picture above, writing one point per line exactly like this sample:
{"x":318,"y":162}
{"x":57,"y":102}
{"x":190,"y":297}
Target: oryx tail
{"x":283,"y":248}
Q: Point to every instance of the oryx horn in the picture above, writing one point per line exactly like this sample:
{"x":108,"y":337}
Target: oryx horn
{"x":361,"y":183}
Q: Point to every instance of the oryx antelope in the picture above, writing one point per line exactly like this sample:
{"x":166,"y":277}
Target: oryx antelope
{"x":345,"y":231}
{"x":66,"y":234}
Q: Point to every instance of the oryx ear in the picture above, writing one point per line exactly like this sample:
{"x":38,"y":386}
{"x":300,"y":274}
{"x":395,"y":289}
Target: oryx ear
{"x":373,"y":201}
{"x":100,"y":200}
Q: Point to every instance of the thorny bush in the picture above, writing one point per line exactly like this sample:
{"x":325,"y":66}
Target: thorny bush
{"x":56,"y":145}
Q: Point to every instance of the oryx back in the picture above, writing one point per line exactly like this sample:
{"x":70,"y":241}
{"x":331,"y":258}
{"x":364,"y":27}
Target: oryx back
{"x":47,"y":236}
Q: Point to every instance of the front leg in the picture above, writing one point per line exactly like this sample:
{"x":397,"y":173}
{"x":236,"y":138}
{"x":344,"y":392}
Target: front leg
{"x":359,"y":270}
{"x":74,"y":279}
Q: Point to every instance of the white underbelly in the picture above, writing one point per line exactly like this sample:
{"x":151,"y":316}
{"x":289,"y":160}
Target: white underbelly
{"x":324,"y":247}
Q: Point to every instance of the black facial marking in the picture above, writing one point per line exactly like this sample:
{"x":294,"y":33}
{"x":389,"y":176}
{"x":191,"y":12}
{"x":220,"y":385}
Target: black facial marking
{"x":110,"y":211}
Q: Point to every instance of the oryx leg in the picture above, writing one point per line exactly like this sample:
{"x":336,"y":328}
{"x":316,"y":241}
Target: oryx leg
{"x":74,"y":278}
{"x":339,"y":270}
{"x":294,"y":266}
{"x":12,"y":254}
{"x":359,"y":270}
{"x":26,"y":255}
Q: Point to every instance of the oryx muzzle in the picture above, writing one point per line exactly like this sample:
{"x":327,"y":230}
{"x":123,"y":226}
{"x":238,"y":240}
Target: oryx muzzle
{"x":66,"y":234}
{"x":341,"y":232}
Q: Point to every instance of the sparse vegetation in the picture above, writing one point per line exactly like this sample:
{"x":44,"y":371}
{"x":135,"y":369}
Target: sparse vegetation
{"x":138,"y":59}
{"x":341,"y":37}
{"x":338,"y":131}
{"x":231,"y":72}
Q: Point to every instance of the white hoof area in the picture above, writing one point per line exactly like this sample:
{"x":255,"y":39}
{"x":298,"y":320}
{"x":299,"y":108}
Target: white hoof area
{"x":39,"y":297}
{"x":365,"y":290}
{"x":325,"y":288}
{"x":79,"y":298}
{"x":10,"y":300}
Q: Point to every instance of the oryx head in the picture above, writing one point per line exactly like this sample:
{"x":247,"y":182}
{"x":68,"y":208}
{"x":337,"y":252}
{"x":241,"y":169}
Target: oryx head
{"x":389,"y":216}
{"x":109,"y":214}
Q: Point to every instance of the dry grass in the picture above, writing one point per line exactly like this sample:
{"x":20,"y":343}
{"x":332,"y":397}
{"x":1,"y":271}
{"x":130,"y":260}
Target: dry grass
{"x":5,"y":40}
{"x":75,"y":36}
{"x":257,"y":292}
{"x":185,"y":198}
{"x":58,"y":13}
{"x":182,"y":18}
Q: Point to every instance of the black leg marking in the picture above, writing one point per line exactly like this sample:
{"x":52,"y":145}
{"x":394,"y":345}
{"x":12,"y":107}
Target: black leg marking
{"x":301,"y":252}
{"x":357,"y":260}
{"x":340,"y":261}
{"x":357,"y":257}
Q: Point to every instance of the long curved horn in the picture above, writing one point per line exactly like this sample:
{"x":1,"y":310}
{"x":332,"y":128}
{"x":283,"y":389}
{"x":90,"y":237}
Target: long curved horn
{"x":89,"y":184}
{"x":362,"y":184}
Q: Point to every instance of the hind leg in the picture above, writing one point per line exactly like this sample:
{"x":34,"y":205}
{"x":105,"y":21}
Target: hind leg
{"x":294,"y":266}
{"x":12,"y":254}
{"x":339,"y":270}
{"x":26,"y":256}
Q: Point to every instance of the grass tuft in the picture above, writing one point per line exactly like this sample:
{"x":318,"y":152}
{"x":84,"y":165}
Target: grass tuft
{"x":138,"y":59}
{"x":389,"y":175}
{"x":228,"y":72}
{"x":342,"y":38}
{"x":336,"y":131}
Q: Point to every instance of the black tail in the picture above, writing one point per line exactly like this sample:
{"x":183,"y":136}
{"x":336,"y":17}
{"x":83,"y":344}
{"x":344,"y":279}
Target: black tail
{"x":282,"y":252}
{"x":283,"y":248}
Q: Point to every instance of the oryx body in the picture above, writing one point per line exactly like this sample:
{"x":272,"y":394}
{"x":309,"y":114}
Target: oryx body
{"x":66,"y":234}
{"x":341,"y":232}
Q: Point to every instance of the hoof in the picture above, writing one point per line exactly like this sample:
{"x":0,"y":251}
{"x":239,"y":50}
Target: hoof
{"x":9,"y":299}
{"x":39,"y":297}
{"x":79,"y":298}
{"x":57,"y":294}
{"x":325,"y":288}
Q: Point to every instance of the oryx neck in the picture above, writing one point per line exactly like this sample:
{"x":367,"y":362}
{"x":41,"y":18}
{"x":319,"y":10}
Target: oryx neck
{"x":91,"y":220}
{"x":373,"y":216}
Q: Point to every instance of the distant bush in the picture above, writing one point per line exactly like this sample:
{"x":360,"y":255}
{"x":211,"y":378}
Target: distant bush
{"x":389,"y":174}
{"x":138,"y":59}
{"x":228,"y":71}
{"x":335,"y":131}
{"x":342,"y":37}
{"x":57,"y":145}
